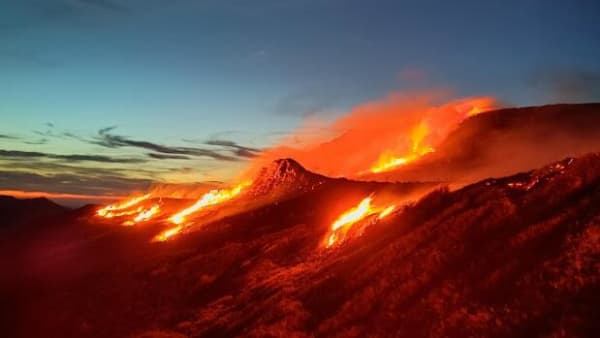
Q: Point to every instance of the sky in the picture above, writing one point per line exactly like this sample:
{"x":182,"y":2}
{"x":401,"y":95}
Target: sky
{"x":102,"y":97}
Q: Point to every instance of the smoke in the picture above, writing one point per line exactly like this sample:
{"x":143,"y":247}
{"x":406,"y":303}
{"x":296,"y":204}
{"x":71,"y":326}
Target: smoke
{"x":353,"y":143}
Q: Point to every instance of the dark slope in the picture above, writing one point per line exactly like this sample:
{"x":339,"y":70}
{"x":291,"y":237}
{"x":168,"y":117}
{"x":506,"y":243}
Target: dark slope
{"x":517,"y":256}
{"x":505,"y":141}
{"x":14,"y":211}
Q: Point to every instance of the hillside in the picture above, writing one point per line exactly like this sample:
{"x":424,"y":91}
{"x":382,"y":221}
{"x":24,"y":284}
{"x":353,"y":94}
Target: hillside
{"x":14,"y":212}
{"x":506,"y":141}
{"x":516,"y":256}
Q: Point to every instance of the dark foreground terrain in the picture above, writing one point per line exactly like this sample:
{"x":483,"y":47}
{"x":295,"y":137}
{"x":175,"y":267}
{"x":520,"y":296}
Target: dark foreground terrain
{"x":517,"y":256}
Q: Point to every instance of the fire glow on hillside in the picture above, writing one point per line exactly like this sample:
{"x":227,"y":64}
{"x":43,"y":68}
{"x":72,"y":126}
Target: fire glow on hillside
{"x":212,"y":197}
{"x":135,"y":213}
{"x":395,"y":132}
{"x":377,"y":136}
{"x":344,"y":223}
{"x":121,"y":209}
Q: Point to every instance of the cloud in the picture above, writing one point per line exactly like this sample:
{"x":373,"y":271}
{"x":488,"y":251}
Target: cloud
{"x":239,"y":150}
{"x":37,"y":142}
{"x":107,"y":139}
{"x":71,"y":157}
{"x":4,"y":136}
{"x":71,"y":183}
{"x":569,"y":84}
{"x":168,"y":157}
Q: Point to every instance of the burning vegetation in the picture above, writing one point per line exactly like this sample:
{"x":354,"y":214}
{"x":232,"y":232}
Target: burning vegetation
{"x":363,"y":212}
{"x":377,"y":136}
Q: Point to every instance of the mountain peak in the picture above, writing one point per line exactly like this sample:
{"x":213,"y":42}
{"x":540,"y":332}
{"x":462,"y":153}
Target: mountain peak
{"x":284,"y":176}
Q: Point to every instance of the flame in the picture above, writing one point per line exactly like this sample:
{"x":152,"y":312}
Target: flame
{"x":390,"y":132}
{"x":386,"y":211}
{"x":388,"y":161}
{"x":165,"y":235}
{"x":212,"y":197}
{"x":117,"y":213}
{"x":144,"y":215}
{"x":353,"y":215}
{"x":119,"y":209}
{"x":340,"y":227}
{"x":344,"y":222}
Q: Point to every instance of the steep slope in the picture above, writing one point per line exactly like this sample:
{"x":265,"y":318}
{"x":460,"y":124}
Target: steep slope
{"x":505,"y":141}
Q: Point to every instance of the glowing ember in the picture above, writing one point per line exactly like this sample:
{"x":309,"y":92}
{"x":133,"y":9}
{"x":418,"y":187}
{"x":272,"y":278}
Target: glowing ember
{"x":144,"y":215}
{"x":114,"y":210}
{"x":165,"y":235}
{"x":388,"y":161}
{"x":210,"y":198}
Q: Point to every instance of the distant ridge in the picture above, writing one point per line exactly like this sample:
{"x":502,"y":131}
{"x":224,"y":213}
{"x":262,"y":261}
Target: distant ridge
{"x":15,"y":211}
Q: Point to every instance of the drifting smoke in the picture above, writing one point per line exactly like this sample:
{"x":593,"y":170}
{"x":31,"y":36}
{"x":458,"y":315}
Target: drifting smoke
{"x":397,"y":129}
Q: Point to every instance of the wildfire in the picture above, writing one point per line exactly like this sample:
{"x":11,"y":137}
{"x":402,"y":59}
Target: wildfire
{"x":386,"y":211}
{"x":120,"y":209}
{"x":111,"y":214}
{"x":144,"y":215}
{"x":340,"y":227}
{"x":388,"y":160}
{"x":212,"y":197}
{"x":165,"y":235}
{"x":353,"y":215}
{"x":419,"y":135}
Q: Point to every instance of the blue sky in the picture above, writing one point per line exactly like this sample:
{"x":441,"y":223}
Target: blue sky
{"x":181,"y":73}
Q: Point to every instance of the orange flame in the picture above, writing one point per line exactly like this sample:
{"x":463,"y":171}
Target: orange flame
{"x":212,"y":197}
{"x":340,"y":227}
{"x":386,"y":212}
{"x":144,"y":215}
{"x":353,"y":215}
{"x":388,"y":161}
{"x":119,"y":209}
{"x":117,"y":213}
{"x":391,"y":132}
{"x":165,"y":235}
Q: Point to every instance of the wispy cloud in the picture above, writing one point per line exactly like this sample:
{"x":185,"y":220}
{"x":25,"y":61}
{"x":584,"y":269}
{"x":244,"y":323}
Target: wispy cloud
{"x":71,"y":183}
{"x":70,"y":157}
{"x":108,"y":139}
{"x":239,"y":150}
{"x":168,"y":156}
{"x":37,"y":142}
